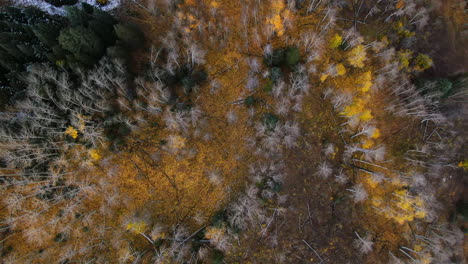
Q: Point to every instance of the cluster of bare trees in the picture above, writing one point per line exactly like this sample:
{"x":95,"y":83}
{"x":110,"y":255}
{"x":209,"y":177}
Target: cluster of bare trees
{"x":33,"y":132}
{"x":47,"y":136}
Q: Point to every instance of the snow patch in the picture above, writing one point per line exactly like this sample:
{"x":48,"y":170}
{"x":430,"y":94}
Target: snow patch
{"x":51,"y":9}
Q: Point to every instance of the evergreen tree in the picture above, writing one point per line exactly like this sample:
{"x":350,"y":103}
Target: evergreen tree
{"x":77,"y":16}
{"x":25,"y":35}
{"x":29,"y":35}
{"x":85,"y":45}
{"x":47,"y":33}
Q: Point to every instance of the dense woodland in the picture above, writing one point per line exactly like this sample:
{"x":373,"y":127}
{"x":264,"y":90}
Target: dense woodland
{"x":233,"y":131}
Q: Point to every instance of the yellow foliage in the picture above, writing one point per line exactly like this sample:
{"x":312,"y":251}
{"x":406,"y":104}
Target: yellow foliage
{"x":426,"y":259}
{"x":404,"y":204}
{"x":422,"y":62}
{"x":324,"y":77}
{"x":276,"y":20}
{"x":366,"y":116}
{"x":418,"y":202}
{"x":355,"y":108}
{"x":137,"y":227}
{"x":371,"y":182}
{"x":404,"y":58}
{"x":277,"y":23}
{"x":72,"y":132}
{"x":335,"y":41}
{"x":358,"y":107}
{"x":406,"y":33}
{"x":377,"y":202}
{"x":402,"y":31}
{"x":357,"y":56}
{"x":407,"y":207}
{"x":94,"y":154}
{"x":401,"y":192}
{"x":417,"y":248}
{"x":365,"y":81}
{"x":159,"y":236}
{"x":463,"y":164}
{"x":368,"y":144}
{"x":189,"y":21}
{"x":400,"y":4}
{"x":340,"y":69}
{"x":420,"y":214}
{"x":214,"y":4}
{"x":376,"y":133}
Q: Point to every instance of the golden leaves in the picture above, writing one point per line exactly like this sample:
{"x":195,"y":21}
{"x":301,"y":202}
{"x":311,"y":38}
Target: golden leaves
{"x":340,"y":69}
{"x":358,"y":108}
{"x":365,"y":81}
{"x":463,"y":164}
{"x":357,"y":56}
{"x":404,"y":58}
{"x":422,"y":62}
{"x":214,"y":4}
{"x":335,"y":41}
{"x":94,"y":154}
{"x":72,"y":132}
{"x":137,"y":227}
{"x":376,"y":133}
{"x":400,"y":4}
{"x":280,"y":14}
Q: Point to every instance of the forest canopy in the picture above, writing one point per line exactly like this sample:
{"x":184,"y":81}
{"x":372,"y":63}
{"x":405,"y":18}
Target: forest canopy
{"x":215,"y":131}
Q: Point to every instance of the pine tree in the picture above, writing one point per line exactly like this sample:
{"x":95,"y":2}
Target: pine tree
{"x":29,"y":35}
{"x":24,"y":38}
{"x":78,"y":16}
{"x":47,"y":33}
{"x":83,"y":43}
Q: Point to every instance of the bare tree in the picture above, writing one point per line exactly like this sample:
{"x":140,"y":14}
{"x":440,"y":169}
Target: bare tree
{"x":363,"y":244}
{"x":359,"y":194}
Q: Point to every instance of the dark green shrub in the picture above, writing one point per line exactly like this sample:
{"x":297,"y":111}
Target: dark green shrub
{"x":441,"y":85}
{"x":269,"y":85}
{"x":277,"y":57}
{"x":250,"y":101}
{"x":270,"y":120}
{"x":218,"y":257}
{"x":276,"y":74}
{"x":293,"y":56}
{"x":444,"y":86}
{"x":281,"y":57}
